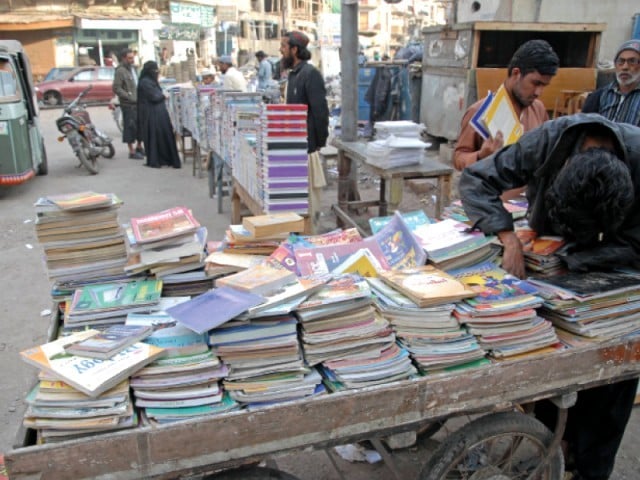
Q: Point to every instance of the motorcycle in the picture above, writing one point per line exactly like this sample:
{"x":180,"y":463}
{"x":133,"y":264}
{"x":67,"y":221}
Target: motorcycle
{"x":116,"y":112}
{"x":87,"y":142}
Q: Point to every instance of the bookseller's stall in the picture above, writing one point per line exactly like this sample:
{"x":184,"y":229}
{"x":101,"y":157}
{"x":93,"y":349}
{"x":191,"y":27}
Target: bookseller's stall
{"x":322,"y":340}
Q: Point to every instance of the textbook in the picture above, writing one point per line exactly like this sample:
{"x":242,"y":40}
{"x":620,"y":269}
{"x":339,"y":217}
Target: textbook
{"x":496,"y":114}
{"x":109,"y":342}
{"x":267,"y":225}
{"x":169,"y":223}
{"x":90,"y":376}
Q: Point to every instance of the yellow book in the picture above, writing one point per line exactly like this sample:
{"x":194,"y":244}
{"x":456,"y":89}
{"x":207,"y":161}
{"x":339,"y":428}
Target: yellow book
{"x":500,"y":116}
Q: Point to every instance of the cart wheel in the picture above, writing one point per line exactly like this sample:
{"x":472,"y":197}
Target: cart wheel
{"x":500,"y":446}
{"x":251,"y":473}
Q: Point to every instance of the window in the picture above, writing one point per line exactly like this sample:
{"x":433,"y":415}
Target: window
{"x":84,"y":76}
{"x":105,"y":73}
{"x":8,"y":82}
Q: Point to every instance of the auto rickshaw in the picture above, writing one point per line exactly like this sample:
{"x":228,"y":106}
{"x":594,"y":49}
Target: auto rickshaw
{"x":21,"y":143}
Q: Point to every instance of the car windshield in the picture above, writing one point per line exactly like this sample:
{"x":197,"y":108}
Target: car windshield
{"x":8,"y":84}
{"x":57,"y":73}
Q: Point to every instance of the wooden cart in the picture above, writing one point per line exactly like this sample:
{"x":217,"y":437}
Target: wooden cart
{"x":220,"y":442}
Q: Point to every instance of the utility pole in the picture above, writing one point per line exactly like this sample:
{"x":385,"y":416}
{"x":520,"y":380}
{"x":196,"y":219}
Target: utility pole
{"x":349,"y":67}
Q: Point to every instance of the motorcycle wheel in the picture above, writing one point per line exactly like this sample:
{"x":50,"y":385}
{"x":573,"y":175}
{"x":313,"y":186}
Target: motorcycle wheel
{"x":90,"y":162}
{"x":108,"y":151}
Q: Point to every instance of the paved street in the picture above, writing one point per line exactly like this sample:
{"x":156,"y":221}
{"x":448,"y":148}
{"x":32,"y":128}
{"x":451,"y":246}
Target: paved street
{"x":25,"y":300}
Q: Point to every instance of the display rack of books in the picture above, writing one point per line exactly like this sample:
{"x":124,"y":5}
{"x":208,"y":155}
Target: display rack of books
{"x":174,"y":107}
{"x":282,"y":146}
{"x":189,"y":111}
{"x":238,"y":118}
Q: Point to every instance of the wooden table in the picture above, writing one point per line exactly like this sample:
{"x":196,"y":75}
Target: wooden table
{"x":240,"y":197}
{"x":349,"y":198}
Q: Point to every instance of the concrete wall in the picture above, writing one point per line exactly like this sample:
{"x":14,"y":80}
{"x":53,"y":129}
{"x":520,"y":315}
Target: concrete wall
{"x":617,"y":14}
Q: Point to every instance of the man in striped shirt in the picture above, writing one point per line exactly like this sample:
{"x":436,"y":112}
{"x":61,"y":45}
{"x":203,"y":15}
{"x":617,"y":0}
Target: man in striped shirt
{"x":620,"y":100}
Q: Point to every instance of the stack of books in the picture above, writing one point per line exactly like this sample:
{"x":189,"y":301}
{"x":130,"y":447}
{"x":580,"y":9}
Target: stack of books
{"x":59,"y":412}
{"x":597,"y":305}
{"x":79,"y":395}
{"x":238,"y":240}
{"x":185,"y":382}
{"x":81,"y":238}
{"x":432,"y":335}
{"x":341,"y":331}
{"x":282,"y":146}
{"x":265,"y":360}
{"x":167,"y":242}
{"x":393,"y":152}
{"x":455,"y":211}
{"x":450,"y":244}
{"x":502,"y":314}
{"x":398,"y":128}
{"x":109,"y":303}
{"x":540,"y":257}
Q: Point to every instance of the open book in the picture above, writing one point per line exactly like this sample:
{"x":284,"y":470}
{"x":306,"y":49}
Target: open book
{"x":496,"y":114}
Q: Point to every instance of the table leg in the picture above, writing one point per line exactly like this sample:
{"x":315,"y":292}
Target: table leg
{"x":236,"y":206}
{"x":444,"y":192}
{"x":382,"y":208}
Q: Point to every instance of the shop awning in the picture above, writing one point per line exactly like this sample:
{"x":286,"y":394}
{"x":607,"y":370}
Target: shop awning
{"x":20,"y":22}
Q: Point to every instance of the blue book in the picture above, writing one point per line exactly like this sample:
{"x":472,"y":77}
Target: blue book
{"x":476,"y":122}
{"x":213,"y":308}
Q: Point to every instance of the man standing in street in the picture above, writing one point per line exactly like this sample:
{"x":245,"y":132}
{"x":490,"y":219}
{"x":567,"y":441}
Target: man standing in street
{"x":620,"y":100}
{"x":306,"y":86}
{"x":583,"y":182}
{"x":232,"y":77}
{"x":531,"y":69}
{"x":125,"y":85}
{"x":265,"y":72}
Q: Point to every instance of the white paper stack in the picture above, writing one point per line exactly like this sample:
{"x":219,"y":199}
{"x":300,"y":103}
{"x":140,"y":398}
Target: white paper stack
{"x":393,"y":152}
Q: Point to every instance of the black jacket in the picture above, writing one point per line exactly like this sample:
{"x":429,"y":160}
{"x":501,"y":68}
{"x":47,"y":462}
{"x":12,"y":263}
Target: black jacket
{"x":306,"y":86}
{"x":534,"y":161}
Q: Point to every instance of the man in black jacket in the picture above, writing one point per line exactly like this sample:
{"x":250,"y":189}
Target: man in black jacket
{"x":306,"y":86}
{"x":583,"y":182}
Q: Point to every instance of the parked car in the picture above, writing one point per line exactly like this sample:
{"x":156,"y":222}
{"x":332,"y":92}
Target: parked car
{"x":67,"y":87}
{"x":56,"y":73}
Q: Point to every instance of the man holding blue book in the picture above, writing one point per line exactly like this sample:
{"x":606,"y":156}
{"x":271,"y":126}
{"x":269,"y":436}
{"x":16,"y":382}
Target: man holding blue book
{"x":530,"y":70}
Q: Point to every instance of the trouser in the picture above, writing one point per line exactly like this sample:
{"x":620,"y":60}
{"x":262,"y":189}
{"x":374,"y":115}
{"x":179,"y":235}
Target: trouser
{"x":317,"y":182}
{"x":595,"y":426}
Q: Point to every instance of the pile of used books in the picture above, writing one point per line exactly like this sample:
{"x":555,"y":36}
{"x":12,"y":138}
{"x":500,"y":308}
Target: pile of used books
{"x":82,"y":239}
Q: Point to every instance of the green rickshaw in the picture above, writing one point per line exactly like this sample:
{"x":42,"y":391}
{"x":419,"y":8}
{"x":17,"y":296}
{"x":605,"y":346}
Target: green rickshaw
{"x":21,"y":143}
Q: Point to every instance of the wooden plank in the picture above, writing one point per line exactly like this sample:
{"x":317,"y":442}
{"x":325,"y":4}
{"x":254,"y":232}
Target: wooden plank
{"x":541,"y":26}
{"x":567,"y":79}
{"x":328,"y":420}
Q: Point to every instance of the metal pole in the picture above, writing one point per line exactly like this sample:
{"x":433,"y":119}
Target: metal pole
{"x":349,"y":67}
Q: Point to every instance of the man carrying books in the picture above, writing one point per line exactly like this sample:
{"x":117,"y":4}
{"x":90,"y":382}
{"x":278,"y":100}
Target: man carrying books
{"x":583,"y":182}
{"x":530,"y":70}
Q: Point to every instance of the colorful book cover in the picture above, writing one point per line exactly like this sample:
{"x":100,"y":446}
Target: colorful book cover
{"x":109,"y":342}
{"x":166,"y":224}
{"x":91,"y":376}
{"x":427,"y":285}
{"x":412,"y":219}
{"x":491,"y":283}
{"x":321,"y":260}
{"x":81,"y":200}
{"x":399,"y":247}
{"x":213,"y":308}
{"x":115,"y":295}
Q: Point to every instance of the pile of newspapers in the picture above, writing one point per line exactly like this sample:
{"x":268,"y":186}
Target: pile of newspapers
{"x":397,"y":144}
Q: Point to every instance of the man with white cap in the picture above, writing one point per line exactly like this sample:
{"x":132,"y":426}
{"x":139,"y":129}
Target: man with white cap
{"x":232,"y":77}
{"x":207,"y":77}
{"x":620,"y":100}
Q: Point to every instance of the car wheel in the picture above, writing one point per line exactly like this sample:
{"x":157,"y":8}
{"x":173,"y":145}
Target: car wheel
{"x":52,"y":98}
{"x":43,"y":169}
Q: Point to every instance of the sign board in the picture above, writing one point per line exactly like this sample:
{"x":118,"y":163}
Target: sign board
{"x":227,"y":13}
{"x":187,"y":13}
{"x":179,"y":32}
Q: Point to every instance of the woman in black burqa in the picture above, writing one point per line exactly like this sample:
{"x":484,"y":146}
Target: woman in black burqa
{"x":154,"y":123}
